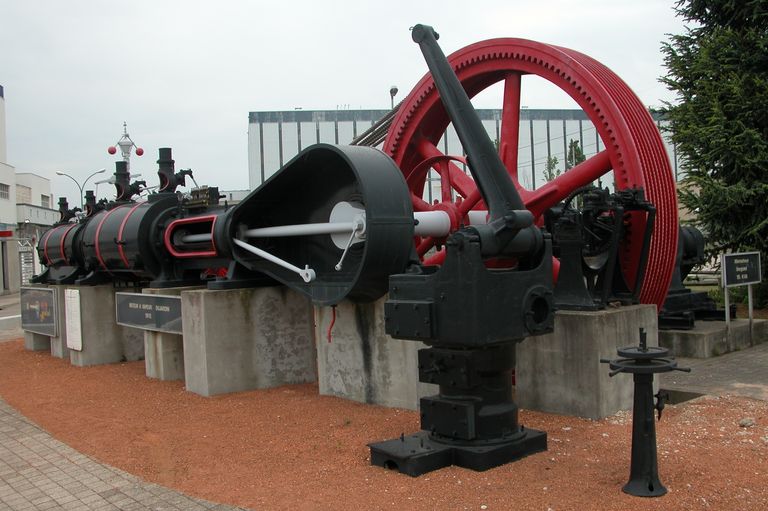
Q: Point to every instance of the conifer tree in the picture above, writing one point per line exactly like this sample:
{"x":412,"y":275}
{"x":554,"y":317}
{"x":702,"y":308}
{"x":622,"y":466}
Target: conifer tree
{"x":718,"y":69}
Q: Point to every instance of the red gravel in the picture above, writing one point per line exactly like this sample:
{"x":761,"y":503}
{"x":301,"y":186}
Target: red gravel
{"x":288,"y":448}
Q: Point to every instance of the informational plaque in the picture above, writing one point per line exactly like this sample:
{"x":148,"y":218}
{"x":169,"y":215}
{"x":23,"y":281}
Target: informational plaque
{"x":74,"y":324}
{"x":741,"y":269}
{"x":38,"y":310}
{"x":159,"y":313}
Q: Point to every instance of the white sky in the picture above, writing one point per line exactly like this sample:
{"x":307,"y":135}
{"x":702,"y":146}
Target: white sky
{"x":185,"y":74}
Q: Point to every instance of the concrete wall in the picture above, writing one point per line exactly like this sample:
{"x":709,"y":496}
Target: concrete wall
{"x":59,"y":343}
{"x":246,"y":339}
{"x":362,"y":363}
{"x":711,"y":338}
{"x":561,"y":372}
{"x":164,"y":352}
{"x":104,"y":341}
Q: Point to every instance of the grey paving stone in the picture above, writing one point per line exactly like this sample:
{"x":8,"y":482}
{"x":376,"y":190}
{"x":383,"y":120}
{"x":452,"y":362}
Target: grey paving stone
{"x":39,"y":473}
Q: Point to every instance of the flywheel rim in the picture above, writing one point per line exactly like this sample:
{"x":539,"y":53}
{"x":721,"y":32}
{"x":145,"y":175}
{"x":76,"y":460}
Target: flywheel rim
{"x":634,"y":151}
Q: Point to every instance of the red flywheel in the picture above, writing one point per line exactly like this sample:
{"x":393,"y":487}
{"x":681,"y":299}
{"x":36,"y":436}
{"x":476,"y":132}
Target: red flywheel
{"x":634,"y":150}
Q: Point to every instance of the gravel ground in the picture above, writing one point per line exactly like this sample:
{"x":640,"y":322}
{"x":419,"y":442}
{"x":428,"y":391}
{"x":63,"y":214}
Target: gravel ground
{"x":289,"y":448}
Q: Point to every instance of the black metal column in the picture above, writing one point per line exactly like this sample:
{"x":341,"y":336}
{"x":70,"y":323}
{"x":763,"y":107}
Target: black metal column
{"x":644,"y":468}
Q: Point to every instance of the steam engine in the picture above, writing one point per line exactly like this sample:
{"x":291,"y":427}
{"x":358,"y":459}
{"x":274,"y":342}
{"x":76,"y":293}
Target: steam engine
{"x":135,"y":241}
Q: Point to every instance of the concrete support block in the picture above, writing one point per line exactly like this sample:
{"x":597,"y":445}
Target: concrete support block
{"x":164,"y":352}
{"x":36,"y":342}
{"x":363,"y":363}
{"x":104,"y":341}
{"x":59,"y":343}
{"x":244,"y":339}
{"x":561,"y":372}
{"x":710,"y":338}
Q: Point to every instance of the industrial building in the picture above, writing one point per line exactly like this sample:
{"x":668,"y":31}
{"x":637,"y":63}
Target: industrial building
{"x":276,"y":137}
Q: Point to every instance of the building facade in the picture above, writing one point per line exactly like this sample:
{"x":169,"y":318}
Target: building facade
{"x":276,"y":137}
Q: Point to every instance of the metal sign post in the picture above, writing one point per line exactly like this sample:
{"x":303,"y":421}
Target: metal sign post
{"x":740,"y":269}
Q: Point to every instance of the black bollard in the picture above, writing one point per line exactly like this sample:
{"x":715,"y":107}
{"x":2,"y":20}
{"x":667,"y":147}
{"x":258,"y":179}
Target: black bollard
{"x":643,"y":362}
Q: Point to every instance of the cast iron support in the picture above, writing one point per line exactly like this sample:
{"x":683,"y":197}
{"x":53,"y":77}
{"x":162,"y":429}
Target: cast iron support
{"x":643,"y":362}
{"x":471,"y":317}
{"x":472,"y":422}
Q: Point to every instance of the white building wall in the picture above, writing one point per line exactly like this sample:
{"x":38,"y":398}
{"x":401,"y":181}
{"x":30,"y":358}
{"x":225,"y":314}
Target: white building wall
{"x":39,"y":186}
{"x":8,"y":203}
{"x":3,"y":143}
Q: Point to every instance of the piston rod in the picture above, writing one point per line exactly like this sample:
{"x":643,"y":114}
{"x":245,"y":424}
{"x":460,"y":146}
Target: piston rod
{"x":427,"y":223}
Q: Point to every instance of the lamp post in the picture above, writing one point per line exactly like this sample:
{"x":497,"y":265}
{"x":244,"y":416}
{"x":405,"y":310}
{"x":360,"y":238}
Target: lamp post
{"x":392,"y":94}
{"x":79,"y":186}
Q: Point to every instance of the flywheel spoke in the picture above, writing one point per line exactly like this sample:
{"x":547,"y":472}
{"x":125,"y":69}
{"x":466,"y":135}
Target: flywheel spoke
{"x":425,"y":245}
{"x":460,"y":182}
{"x":420,"y":204}
{"x":469,"y":203}
{"x":563,"y":185}
{"x":510,"y":124}
{"x":446,"y":186}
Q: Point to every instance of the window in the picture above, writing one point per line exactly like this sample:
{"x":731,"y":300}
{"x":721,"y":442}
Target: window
{"x":45,"y":201}
{"x":5,"y":191}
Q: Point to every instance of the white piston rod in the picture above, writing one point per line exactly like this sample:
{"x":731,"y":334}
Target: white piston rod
{"x":427,"y":223}
{"x":300,"y":230}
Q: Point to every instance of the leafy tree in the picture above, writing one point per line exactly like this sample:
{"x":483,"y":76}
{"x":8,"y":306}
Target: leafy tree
{"x":550,"y":168}
{"x":575,"y":155}
{"x":719,"y":71}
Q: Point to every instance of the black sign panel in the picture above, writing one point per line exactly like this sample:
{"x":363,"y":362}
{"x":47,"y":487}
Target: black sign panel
{"x":161,"y":313}
{"x":741,"y":269}
{"x":38,"y":310}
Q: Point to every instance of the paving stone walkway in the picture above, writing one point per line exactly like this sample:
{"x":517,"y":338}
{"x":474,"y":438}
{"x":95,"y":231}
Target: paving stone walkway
{"x":742,"y":373}
{"x":37,"y":472}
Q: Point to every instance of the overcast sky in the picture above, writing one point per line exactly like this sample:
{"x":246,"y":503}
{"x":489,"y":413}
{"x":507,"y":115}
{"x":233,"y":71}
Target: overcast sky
{"x":185,"y":74}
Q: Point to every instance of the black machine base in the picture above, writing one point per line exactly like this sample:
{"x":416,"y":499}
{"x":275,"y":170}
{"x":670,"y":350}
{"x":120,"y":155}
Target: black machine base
{"x":649,"y":486}
{"x":418,"y":454}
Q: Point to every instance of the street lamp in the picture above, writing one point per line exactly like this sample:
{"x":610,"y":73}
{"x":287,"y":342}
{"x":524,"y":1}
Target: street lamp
{"x":82,"y":204}
{"x":392,"y":94}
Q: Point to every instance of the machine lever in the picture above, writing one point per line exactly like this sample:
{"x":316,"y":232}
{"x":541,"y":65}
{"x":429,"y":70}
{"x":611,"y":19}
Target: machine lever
{"x":484,"y":162}
{"x":359,"y":226}
{"x":307,"y":274}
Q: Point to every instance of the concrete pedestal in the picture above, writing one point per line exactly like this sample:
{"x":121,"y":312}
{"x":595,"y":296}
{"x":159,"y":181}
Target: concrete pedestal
{"x":244,"y":339}
{"x":364,"y":364}
{"x":561,"y":372}
{"x":164,"y":352}
{"x":36,"y":342}
{"x":59,"y":343}
{"x":710,"y":338}
{"x":104,"y":341}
